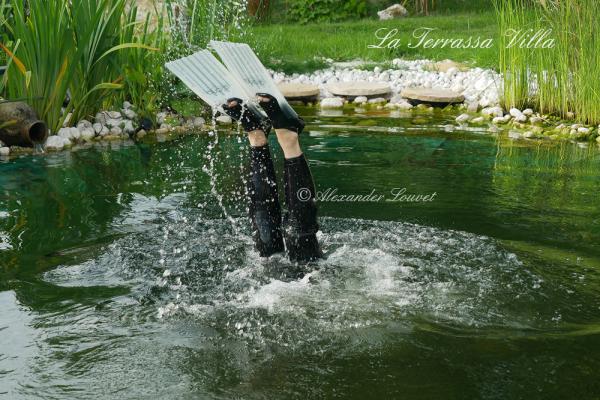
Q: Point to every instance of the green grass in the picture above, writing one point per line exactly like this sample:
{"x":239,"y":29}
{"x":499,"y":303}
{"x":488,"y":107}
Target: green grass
{"x":567,"y":74}
{"x":301,"y":48}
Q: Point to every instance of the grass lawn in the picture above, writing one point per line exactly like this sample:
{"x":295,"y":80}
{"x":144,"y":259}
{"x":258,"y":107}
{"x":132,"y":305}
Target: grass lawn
{"x":300,"y":48}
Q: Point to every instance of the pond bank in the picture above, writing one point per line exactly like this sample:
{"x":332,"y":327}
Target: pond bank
{"x":479,"y":87}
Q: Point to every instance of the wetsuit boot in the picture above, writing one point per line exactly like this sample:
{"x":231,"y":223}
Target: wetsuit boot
{"x":264,"y":208}
{"x":300,"y":220}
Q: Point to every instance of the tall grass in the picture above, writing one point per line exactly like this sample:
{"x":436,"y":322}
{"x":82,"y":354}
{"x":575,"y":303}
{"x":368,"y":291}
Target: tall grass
{"x":66,"y":50}
{"x":85,"y":50}
{"x":560,"y":80}
{"x":143,"y":71}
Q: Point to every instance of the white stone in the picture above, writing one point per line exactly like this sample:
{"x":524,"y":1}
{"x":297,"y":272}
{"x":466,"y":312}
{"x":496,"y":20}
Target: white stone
{"x":478,"y":120}
{"x":64,"y":133}
{"x":4,"y":151}
{"x":76,"y":133}
{"x":55,"y":143}
{"x":112,"y":122}
{"x":161,"y":117}
{"x":463,"y":118}
{"x":129,"y":113}
{"x":88,"y":134}
{"x":493,"y":111}
{"x":521,"y":118}
{"x":515,"y":112}
{"x":499,"y":120}
{"x":223,"y":119}
{"x":473,"y":107}
{"x":116,"y":130}
{"x":198,"y":122}
{"x":376,"y":100}
{"x":393,"y":11}
{"x":537,"y":121}
{"x":84,"y":124}
{"x":101,"y":117}
{"x":529,"y":135}
{"x":405,"y":105}
{"x":583,"y":130}
{"x":97,"y":127}
{"x":126,"y":105}
{"x":128,"y":128}
{"x":105,"y":131}
{"x":360,"y":100}
{"x":332,"y":102}
{"x":528,"y":112}
{"x":114,"y":115}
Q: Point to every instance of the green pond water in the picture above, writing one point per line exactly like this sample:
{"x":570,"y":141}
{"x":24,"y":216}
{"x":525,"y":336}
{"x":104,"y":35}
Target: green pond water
{"x":127,"y":270}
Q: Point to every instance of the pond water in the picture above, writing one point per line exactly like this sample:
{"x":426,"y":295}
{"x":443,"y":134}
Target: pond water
{"x":127,"y":270}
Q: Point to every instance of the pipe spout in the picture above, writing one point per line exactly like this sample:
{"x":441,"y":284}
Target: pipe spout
{"x":20,"y":126}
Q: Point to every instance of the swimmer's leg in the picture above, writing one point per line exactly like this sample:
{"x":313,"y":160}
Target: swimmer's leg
{"x":300,"y":220}
{"x":264,"y":208}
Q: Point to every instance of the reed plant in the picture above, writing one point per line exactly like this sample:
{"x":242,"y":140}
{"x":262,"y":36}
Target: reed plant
{"x":560,"y":80}
{"x":142,"y":70}
{"x":66,"y":60}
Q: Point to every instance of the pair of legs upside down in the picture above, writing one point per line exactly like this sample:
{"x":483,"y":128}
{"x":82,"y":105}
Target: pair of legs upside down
{"x":295,"y":231}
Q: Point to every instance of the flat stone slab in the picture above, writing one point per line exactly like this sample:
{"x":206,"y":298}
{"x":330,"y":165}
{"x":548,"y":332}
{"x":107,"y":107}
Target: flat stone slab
{"x":299,"y":91}
{"x":355,"y":89}
{"x":432,"y":96}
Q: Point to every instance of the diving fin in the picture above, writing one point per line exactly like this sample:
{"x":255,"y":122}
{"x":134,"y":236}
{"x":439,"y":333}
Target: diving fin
{"x":245,"y":66}
{"x":204,"y":75}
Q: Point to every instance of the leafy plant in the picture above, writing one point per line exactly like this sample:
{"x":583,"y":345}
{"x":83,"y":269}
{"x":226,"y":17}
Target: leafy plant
{"x":306,"y":11}
{"x":142,"y":70}
{"x":65,"y":48}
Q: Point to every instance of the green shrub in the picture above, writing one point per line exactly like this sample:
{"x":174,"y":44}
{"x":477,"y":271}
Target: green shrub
{"x":306,"y":11}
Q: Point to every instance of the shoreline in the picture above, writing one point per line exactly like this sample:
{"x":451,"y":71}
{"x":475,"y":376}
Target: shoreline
{"x":480,"y":88}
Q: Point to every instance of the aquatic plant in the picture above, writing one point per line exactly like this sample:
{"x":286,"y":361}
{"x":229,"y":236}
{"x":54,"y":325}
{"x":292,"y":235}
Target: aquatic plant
{"x":559,"y":79}
{"x":142,"y":70}
{"x":66,"y":60}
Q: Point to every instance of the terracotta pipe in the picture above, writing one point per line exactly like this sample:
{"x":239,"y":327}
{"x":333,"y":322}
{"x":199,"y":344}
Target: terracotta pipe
{"x":20,"y":126}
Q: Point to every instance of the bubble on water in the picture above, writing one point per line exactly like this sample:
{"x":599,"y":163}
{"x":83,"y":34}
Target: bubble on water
{"x":5,"y":243}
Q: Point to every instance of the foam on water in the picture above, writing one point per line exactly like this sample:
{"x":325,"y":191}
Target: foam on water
{"x":5,"y":241}
{"x":375,"y":273}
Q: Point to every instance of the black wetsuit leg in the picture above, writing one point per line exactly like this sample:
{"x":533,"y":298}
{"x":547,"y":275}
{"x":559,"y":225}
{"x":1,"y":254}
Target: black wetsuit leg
{"x":264,"y":207}
{"x":265,"y":211}
{"x":300,"y":220}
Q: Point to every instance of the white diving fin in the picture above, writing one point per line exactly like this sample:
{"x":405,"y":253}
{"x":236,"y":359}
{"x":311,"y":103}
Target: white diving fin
{"x":243,"y":63}
{"x":204,"y":75}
